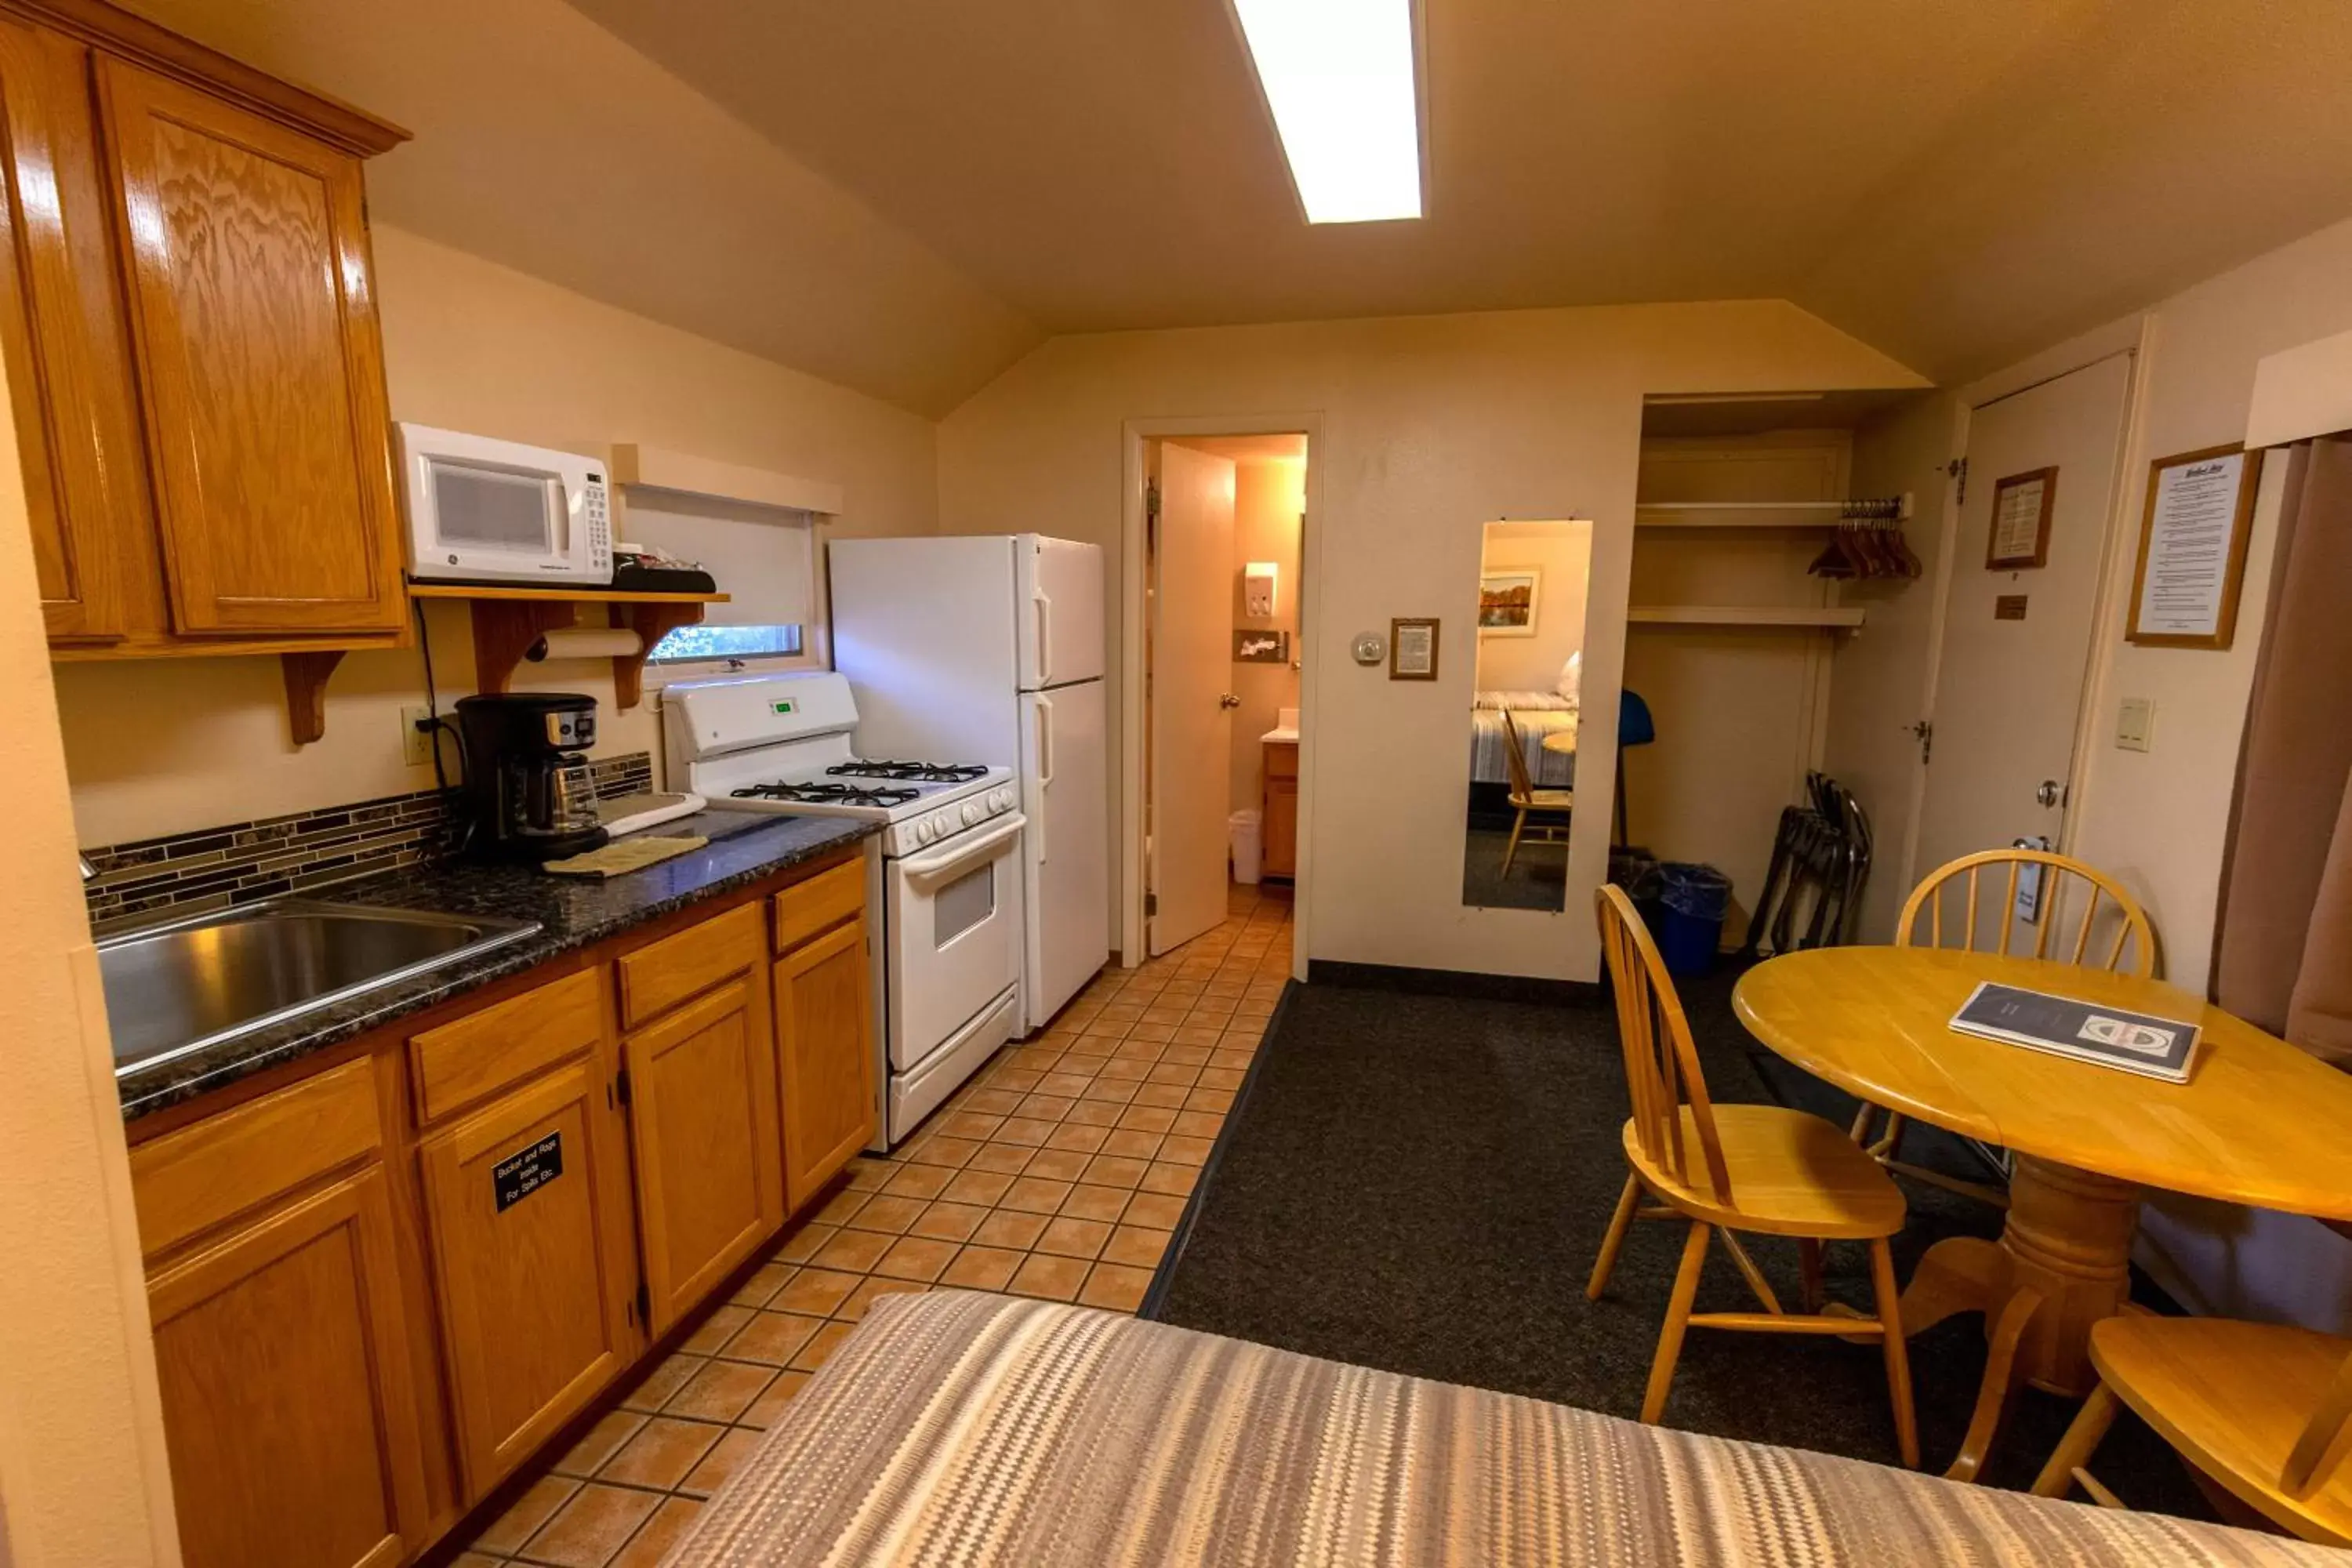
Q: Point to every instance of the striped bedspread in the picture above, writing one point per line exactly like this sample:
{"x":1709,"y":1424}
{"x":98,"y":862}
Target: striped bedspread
{"x":1546,"y":769}
{"x":961,"y":1428}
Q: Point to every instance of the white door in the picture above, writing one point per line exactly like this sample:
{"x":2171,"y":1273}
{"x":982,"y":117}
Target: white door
{"x":1066,"y":795}
{"x":1061,"y":593}
{"x":955,"y":935}
{"x":1190,"y":701}
{"x":2017,"y":643}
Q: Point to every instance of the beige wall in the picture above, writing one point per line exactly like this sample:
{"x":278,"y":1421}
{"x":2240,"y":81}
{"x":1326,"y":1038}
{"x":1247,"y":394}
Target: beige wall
{"x":1269,"y":494}
{"x":1562,"y":553}
{"x":1430,"y":427}
{"x":163,"y":745}
{"x":83,"y":1482}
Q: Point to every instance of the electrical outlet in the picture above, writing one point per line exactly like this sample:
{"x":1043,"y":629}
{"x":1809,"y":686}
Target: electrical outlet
{"x":2135,"y":723}
{"x":415,"y":744}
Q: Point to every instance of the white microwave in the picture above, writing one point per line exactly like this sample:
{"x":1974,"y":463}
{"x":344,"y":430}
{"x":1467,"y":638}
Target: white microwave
{"x":481,"y":510}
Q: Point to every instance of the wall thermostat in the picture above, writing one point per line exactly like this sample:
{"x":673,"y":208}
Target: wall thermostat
{"x":1370,"y":647}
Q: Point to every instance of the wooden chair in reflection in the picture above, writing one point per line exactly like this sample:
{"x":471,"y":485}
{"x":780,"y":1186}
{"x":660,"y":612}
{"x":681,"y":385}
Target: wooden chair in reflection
{"x":2259,"y":1409}
{"x":1728,"y":1168}
{"x":1530,"y":801}
{"x":2059,"y":903}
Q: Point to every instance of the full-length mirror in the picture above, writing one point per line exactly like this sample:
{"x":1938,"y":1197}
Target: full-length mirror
{"x":1523,"y":716}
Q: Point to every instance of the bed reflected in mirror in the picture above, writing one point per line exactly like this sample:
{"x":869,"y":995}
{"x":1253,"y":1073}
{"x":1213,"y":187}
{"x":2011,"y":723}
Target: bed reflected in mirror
{"x":1524,"y":711}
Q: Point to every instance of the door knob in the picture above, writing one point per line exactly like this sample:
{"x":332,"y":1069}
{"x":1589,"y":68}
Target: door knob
{"x":2051,"y":792}
{"x":1229,"y":700}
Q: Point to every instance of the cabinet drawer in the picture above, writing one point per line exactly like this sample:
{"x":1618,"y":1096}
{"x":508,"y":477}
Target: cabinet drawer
{"x":187,"y":1182}
{"x":656,"y":978}
{"x":1282,"y":759}
{"x":807,"y":908}
{"x":460,"y":1063}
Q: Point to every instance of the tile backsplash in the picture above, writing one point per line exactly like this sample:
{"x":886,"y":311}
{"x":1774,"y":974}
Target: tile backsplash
{"x":213,"y":867}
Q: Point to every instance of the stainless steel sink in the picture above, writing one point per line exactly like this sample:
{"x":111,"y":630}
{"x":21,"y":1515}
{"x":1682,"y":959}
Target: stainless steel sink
{"x":191,"y":983}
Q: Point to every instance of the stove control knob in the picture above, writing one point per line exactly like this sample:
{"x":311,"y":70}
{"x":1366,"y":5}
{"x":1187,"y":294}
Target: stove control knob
{"x":1002,"y":799}
{"x":970,"y":815}
{"x":942,"y":824}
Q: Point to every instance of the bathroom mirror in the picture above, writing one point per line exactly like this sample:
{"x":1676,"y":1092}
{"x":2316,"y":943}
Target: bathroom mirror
{"x":1524,"y":713}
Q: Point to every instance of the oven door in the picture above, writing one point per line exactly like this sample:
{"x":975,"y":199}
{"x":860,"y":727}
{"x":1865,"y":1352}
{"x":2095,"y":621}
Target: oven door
{"x":954,"y":934}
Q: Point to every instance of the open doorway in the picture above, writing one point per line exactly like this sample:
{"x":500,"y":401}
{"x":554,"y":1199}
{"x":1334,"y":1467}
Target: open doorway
{"x":1222,"y":662}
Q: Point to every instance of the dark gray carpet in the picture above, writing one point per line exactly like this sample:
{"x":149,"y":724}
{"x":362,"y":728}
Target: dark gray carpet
{"x":1419,"y":1183}
{"x":1537,"y":879}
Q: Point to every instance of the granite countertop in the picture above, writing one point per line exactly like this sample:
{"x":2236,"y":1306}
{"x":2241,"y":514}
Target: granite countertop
{"x":572,"y":912}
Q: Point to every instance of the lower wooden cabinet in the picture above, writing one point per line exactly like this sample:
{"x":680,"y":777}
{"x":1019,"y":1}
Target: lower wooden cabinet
{"x":526,"y":1211}
{"x":825,"y":1032}
{"x":554,"y":1180}
{"x":289,"y":1397}
{"x":1280,"y":845}
{"x":702,"y":1123}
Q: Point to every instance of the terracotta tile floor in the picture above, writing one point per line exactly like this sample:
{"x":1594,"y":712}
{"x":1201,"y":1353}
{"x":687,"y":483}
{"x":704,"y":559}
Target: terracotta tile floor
{"x":1060,"y":1170}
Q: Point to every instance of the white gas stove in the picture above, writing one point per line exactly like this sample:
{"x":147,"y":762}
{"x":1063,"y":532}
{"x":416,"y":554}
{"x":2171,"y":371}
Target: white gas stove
{"x":947,"y":882}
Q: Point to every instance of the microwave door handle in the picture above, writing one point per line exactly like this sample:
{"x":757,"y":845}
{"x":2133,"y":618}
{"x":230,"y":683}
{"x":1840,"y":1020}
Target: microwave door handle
{"x":924,"y":868}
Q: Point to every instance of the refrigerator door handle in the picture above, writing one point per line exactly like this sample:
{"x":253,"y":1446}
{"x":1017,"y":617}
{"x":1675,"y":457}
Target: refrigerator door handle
{"x":1044,"y":771}
{"x":1045,"y":608}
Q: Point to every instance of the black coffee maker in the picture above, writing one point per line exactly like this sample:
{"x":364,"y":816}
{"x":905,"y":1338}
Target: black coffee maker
{"x":529,"y":789}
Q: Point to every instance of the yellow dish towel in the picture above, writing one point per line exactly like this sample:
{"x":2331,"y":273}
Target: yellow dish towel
{"x":625,"y":855}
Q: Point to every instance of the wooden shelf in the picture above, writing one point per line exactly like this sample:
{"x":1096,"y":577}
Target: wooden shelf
{"x":1773,"y":514}
{"x":557,"y":596}
{"x":508,"y":621}
{"x":1832,"y":618}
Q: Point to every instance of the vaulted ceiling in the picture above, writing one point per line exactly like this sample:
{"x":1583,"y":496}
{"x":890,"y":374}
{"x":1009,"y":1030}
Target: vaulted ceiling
{"x":903,"y":197}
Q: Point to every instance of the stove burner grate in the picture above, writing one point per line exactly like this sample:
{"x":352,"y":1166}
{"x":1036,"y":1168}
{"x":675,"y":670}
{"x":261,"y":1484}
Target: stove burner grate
{"x":827,"y":794}
{"x":910,"y":772}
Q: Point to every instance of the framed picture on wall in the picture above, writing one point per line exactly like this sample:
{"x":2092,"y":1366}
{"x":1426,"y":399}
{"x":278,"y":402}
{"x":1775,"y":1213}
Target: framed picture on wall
{"x":2192,"y":548}
{"x":2021,"y":504}
{"x":1412,"y":649}
{"x":1506,"y":602}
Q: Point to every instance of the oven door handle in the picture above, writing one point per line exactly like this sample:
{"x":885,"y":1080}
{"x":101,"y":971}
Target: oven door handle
{"x":925,"y":868}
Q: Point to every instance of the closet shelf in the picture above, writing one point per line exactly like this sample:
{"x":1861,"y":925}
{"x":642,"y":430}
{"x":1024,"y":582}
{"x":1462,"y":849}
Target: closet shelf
{"x":1833,"y":617}
{"x":1768,"y":513}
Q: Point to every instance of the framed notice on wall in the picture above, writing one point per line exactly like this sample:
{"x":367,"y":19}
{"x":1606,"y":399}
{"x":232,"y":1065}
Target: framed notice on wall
{"x":1413,"y":649}
{"x":2021,"y":521}
{"x":2193,"y":547}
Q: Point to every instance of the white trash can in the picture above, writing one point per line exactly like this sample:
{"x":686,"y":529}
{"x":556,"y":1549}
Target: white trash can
{"x":1247,"y":829}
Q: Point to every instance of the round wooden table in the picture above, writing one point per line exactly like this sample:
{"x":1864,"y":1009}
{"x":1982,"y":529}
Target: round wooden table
{"x":2259,"y":1123}
{"x":1562,"y":739}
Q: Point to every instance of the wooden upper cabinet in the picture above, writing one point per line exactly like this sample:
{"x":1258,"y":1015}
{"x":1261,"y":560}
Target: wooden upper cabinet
{"x":62,"y":332}
{"x":824,"y":1031}
{"x":253,"y":318}
{"x":702,"y":1115}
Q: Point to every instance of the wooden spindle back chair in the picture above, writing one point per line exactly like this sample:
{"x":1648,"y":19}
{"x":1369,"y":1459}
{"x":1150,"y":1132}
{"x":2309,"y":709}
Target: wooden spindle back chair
{"x":1759,"y":1168}
{"x":2065,"y":883}
{"x":2261,"y":1410}
{"x":1527,"y":799}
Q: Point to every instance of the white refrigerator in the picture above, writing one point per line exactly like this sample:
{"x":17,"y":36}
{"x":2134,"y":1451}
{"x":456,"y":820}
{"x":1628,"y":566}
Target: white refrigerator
{"x":989,"y":648}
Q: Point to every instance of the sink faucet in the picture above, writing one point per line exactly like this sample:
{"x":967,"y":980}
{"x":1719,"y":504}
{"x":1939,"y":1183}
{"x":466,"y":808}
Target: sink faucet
{"x":87,"y":870}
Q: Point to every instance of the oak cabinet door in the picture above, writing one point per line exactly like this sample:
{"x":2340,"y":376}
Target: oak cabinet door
{"x":526,"y":1208}
{"x":289,"y":1408}
{"x":825,"y":1032}
{"x":702,"y":1121}
{"x":1281,"y":827}
{"x":63,"y":333}
{"x":254,"y":316}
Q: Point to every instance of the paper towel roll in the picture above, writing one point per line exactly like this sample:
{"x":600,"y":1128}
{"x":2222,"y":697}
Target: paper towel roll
{"x":585,"y":642}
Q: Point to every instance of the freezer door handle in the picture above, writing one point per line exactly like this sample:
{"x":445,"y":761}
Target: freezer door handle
{"x":1045,"y":772}
{"x":1045,"y":608}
